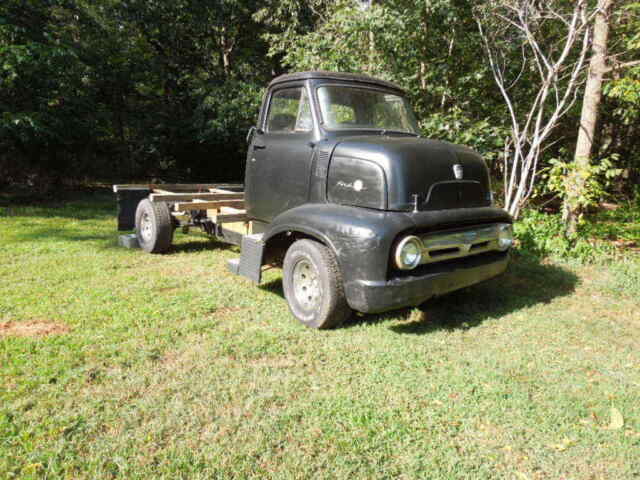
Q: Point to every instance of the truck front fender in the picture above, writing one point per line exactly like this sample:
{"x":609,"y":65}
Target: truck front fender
{"x":361,"y":238}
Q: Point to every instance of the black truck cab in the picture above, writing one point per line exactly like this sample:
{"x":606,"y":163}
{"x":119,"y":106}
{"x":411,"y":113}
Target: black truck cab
{"x":336,"y":163}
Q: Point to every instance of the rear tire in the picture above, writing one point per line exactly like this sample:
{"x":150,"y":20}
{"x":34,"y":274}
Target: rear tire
{"x":313,"y":286}
{"x":154,"y":226}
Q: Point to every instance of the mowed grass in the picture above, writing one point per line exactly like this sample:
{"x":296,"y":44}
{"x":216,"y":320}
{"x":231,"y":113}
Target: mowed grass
{"x":119,"y":364}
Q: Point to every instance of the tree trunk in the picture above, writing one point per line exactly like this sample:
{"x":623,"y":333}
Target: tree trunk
{"x":423,"y":76}
{"x":226,"y":48}
{"x":576,"y":179}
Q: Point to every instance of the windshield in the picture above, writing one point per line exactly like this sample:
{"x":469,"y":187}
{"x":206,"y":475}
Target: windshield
{"x":346,"y":108}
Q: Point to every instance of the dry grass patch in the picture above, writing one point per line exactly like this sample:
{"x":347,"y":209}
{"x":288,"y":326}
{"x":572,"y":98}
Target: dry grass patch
{"x":33,"y":328}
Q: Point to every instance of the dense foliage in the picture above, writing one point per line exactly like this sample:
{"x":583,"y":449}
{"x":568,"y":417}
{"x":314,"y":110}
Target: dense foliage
{"x":124,"y":89}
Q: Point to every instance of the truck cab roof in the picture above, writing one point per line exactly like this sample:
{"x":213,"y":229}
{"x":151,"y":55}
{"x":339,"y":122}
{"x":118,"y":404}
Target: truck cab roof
{"x":339,"y":76}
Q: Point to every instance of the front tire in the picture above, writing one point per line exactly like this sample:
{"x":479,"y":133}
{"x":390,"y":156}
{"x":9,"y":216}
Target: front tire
{"x":313,"y":285}
{"x":154,"y":226}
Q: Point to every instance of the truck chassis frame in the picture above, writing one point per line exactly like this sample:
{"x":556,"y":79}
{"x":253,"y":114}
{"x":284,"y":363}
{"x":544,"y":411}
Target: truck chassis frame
{"x":218,"y":209}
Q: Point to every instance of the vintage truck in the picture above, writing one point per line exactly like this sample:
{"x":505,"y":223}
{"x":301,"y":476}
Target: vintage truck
{"x":342,"y":192}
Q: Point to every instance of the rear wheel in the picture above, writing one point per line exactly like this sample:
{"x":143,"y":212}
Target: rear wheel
{"x":154,"y":226}
{"x":313,"y":285}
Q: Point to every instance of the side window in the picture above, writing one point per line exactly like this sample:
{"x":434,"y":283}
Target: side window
{"x":290,"y":111}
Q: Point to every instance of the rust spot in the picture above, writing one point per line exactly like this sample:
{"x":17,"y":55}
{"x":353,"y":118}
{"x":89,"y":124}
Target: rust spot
{"x":32,"y":328}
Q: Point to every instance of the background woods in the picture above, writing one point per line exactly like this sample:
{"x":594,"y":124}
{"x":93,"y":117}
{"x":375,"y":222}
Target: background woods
{"x":124,"y":89}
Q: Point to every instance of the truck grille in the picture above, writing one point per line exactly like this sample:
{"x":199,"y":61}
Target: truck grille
{"x":461,"y":243}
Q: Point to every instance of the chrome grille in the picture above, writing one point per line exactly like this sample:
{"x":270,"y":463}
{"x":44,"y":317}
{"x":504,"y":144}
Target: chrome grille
{"x":445,"y":246}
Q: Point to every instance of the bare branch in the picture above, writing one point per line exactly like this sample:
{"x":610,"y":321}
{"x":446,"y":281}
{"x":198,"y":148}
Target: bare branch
{"x":619,"y":66}
{"x":559,"y":76}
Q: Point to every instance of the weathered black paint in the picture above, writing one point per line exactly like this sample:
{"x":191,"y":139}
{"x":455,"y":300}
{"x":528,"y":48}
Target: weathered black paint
{"x":287,"y":170}
{"x":349,"y":78}
{"x":357,"y":182}
{"x":292,"y":183}
{"x":414,"y":165}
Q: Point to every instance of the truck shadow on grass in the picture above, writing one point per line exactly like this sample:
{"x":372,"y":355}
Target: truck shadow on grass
{"x":526,"y":283}
{"x":199,"y":244}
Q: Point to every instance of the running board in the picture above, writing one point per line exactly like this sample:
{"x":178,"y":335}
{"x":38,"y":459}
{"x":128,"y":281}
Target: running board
{"x":249,"y":264}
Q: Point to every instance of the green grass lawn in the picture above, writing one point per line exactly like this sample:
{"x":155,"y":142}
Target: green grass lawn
{"x":119,"y":364}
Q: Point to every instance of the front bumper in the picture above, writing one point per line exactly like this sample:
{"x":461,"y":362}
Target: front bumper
{"x":425,"y":282}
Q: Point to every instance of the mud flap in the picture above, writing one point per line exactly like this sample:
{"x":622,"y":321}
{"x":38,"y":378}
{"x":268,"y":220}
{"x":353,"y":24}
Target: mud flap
{"x":250,"y":262}
{"x":127,"y":203}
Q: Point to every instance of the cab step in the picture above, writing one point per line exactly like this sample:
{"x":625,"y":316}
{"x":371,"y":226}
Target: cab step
{"x":249,"y":264}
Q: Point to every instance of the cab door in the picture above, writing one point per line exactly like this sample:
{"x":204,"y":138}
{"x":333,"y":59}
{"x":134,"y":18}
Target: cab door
{"x":279,"y":156}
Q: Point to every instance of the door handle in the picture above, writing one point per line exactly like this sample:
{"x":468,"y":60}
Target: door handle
{"x":259,"y":147}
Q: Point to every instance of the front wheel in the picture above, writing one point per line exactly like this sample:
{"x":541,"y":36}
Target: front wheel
{"x":313,"y":285}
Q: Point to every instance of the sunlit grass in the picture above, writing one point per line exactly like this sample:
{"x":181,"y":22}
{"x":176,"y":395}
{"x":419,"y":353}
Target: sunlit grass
{"x":173,"y":367}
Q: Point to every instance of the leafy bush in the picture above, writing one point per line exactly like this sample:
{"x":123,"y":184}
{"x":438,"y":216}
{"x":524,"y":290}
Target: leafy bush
{"x":598,"y":179}
{"x":542,"y":235}
{"x":612,"y":231}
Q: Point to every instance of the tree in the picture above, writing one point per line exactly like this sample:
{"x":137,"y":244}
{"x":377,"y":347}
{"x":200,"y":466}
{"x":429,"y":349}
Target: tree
{"x":551,"y":39}
{"x":598,"y":68}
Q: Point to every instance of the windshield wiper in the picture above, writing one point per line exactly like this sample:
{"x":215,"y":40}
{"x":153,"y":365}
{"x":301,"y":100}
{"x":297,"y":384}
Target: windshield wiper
{"x":384,"y":132}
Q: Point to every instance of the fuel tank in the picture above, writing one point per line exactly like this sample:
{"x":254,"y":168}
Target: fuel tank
{"x":419,"y":173}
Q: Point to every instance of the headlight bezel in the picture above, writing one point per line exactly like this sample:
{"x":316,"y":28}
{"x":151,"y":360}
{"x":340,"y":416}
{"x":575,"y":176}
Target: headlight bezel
{"x":408,"y":242}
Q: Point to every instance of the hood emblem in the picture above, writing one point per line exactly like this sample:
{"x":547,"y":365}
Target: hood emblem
{"x":458,"y":172}
{"x":358,"y":185}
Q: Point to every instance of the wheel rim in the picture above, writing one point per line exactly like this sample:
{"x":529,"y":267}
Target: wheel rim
{"x":146,"y":227}
{"x":306,"y":284}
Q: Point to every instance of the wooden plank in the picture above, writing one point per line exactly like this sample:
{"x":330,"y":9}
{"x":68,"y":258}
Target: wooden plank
{"x":221,"y":190}
{"x":190,"y":206}
{"x":177,"y":187}
{"x":232,"y":210}
{"x":180,"y":187}
{"x":186,"y":197}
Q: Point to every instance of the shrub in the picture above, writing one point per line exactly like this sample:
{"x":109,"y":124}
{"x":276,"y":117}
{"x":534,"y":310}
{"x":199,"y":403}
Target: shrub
{"x":542,"y":235}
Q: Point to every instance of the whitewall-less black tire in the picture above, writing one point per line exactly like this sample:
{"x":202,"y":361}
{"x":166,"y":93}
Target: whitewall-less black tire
{"x":313,"y":286}
{"x":154,"y":226}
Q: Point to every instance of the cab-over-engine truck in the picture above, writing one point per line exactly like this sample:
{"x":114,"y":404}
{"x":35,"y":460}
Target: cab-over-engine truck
{"x":343,"y":193}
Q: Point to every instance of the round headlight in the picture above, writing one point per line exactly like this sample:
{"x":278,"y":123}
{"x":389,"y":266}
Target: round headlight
{"x":409,"y":253}
{"x":505,"y":236}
